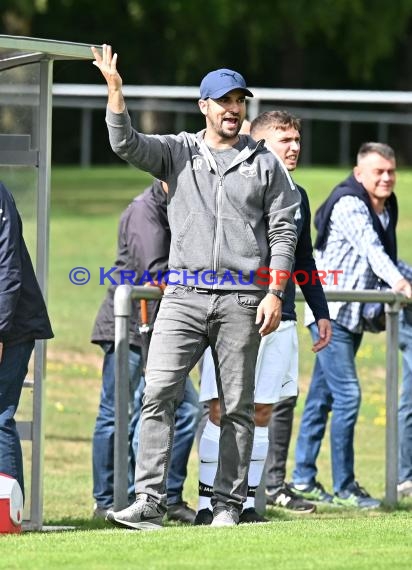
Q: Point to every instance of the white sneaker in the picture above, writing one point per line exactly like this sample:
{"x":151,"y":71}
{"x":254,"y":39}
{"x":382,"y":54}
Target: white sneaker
{"x":225,"y":516}
{"x":405,"y":489}
{"x":143,"y":514}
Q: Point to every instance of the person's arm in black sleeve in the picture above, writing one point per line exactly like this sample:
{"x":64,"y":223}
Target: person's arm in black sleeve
{"x":311,"y":286}
{"x":148,"y":238}
{"x":10,"y":260}
{"x":305,"y":263}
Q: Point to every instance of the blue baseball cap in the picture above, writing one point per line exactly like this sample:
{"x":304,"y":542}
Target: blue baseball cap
{"x":219,"y":82}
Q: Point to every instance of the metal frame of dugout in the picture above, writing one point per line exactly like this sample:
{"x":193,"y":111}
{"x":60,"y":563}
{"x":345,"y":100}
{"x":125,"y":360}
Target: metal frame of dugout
{"x":122,"y":313}
{"x":26,"y":71}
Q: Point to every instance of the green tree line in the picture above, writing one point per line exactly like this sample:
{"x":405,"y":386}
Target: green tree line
{"x":328,"y":44}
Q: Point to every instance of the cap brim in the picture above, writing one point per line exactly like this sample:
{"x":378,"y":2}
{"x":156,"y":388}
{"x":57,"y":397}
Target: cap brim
{"x":221,"y":92}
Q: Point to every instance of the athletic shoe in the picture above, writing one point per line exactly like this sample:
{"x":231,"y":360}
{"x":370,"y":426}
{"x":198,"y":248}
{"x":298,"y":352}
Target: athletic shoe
{"x":287,"y":499}
{"x":181,"y":512}
{"x":405,"y":489}
{"x":250,"y":515}
{"x":355,"y":496}
{"x":203,"y":517}
{"x":313,"y":492}
{"x":100,"y":512}
{"x":225,"y":516}
{"x":143,"y":514}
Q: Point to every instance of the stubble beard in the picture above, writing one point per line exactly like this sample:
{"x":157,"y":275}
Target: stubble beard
{"x":228,"y":135}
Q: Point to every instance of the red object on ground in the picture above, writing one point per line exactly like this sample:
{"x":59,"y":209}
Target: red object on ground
{"x":11,"y":505}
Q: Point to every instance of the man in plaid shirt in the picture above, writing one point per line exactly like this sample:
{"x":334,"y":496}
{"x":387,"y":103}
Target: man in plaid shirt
{"x":356,"y":235}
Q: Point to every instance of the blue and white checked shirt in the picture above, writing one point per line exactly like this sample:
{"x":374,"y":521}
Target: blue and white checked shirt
{"x":354,"y":247}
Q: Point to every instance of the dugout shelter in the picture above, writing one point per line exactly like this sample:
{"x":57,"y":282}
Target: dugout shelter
{"x":26,"y":76}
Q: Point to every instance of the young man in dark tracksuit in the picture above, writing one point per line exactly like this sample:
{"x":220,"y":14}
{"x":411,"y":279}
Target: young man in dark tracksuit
{"x":23,"y":319}
{"x":230,"y":210}
{"x":143,"y":251}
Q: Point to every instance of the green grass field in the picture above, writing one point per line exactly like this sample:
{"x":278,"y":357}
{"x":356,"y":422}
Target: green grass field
{"x":86,"y":205}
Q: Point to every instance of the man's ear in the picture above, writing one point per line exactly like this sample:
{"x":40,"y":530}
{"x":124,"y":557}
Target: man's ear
{"x":203,"y":105}
{"x":357,"y":173}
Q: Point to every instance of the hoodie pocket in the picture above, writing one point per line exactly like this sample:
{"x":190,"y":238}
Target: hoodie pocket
{"x":193,"y":247}
{"x":239,"y":249}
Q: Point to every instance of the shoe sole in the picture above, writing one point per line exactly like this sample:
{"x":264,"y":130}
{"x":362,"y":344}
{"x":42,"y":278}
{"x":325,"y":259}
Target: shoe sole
{"x":311,"y":508}
{"x":338,"y":503}
{"x":219,"y":524}
{"x":254,"y":522}
{"x":316,"y":501}
{"x":313,"y":498}
{"x":142,"y":525}
{"x":307,"y":511}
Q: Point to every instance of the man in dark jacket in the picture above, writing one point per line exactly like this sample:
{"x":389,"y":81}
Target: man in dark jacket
{"x":23,"y":319}
{"x":143,"y":251}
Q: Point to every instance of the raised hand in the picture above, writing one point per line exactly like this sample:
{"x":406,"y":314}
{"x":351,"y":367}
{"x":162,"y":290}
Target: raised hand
{"x":107,"y":64}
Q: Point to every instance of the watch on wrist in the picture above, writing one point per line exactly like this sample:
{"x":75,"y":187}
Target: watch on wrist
{"x":278,"y":293}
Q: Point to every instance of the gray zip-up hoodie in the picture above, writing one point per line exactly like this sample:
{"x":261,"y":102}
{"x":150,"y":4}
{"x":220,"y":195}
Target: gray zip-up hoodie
{"x":223,"y":227}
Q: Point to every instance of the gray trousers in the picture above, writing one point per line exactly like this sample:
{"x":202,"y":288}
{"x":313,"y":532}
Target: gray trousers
{"x":188,"y":321}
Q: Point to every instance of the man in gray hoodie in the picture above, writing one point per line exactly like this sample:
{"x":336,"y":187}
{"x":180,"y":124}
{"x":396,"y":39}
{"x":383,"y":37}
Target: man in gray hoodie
{"x":231,"y":207}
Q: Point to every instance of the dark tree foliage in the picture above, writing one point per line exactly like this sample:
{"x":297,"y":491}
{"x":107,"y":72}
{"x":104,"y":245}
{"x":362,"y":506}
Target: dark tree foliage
{"x":330,"y":44}
{"x":322,"y":43}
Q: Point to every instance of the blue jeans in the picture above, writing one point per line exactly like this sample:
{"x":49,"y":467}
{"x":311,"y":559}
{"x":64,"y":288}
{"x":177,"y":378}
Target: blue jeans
{"x":186,"y":420}
{"x":103,"y":438}
{"x":187,"y":322}
{"x":334,"y":388}
{"x":405,"y":403}
{"x":13,"y":370}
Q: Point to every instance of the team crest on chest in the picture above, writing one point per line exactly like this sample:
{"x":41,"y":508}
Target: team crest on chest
{"x":247,"y":170}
